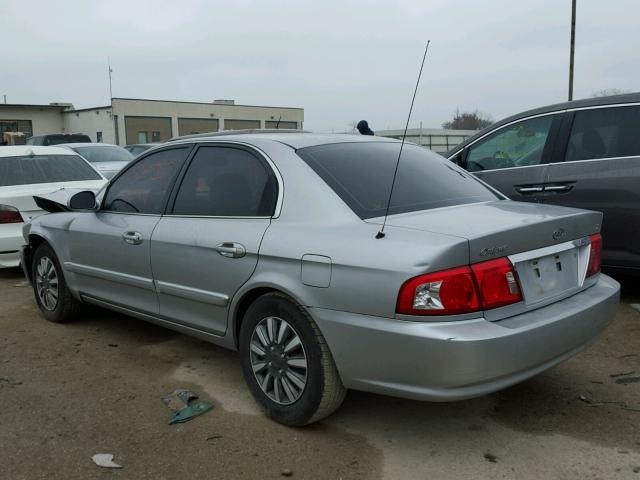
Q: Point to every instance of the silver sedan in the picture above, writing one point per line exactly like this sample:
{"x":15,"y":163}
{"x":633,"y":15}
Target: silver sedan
{"x":268,"y":244}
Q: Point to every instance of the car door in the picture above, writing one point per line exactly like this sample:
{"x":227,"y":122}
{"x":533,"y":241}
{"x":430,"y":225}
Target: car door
{"x":513,"y":159}
{"x":207,"y":245}
{"x":601,"y":171}
{"x":109,"y":249}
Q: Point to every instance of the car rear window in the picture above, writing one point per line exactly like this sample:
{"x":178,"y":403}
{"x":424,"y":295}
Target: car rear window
{"x":27,"y":170}
{"x":60,"y":139}
{"x":361,"y":175}
{"x":105,"y":154}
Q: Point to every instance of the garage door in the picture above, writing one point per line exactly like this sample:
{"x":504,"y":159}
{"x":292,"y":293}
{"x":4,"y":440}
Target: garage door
{"x":291,"y":125}
{"x":147,"y":129}
{"x":189,"y":126}
{"x":241,"y":124}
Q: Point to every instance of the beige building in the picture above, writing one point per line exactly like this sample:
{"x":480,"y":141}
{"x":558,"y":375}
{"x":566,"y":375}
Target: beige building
{"x":129,"y":120}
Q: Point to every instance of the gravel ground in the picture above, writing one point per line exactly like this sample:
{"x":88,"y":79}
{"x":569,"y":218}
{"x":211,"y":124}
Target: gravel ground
{"x":94,"y":386}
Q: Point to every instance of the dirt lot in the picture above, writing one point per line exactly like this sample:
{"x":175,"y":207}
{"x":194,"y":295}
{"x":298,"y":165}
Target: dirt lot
{"x":94,"y":386}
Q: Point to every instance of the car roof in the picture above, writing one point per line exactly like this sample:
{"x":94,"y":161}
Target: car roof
{"x":22,"y":150}
{"x":295,"y":138}
{"x":582,"y":103}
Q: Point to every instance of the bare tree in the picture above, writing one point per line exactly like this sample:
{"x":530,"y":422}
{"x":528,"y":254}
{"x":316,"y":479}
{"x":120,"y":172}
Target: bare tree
{"x":608,"y":92}
{"x":352,"y":125}
{"x":475,"y":120}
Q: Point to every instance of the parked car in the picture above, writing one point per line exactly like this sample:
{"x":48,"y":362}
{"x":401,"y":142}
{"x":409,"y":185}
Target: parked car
{"x":57,"y":139}
{"x":267,"y":243}
{"x":584,"y":154}
{"x":137,"y":148}
{"x":26,"y":171}
{"x":106,"y":158}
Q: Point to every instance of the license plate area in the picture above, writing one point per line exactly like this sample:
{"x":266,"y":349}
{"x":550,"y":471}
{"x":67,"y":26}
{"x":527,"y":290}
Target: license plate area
{"x":551,"y":272}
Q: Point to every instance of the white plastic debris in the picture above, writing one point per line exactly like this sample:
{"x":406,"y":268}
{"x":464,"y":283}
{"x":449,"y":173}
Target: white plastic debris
{"x":636,"y":306}
{"x":105,"y":460}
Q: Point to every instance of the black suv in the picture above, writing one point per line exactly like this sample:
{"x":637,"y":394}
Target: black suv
{"x":583,"y":154}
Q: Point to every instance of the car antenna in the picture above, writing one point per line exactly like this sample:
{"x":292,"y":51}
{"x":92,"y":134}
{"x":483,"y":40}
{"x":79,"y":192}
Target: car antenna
{"x":278,"y":122}
{"x":381,"y":233}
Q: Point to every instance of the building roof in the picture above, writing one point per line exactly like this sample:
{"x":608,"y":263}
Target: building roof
{"x":209,"y":104}
{"x":34,"y":105}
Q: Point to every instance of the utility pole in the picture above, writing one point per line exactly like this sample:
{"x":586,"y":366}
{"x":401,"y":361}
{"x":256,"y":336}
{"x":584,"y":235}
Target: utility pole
{"x":110,"y":89}
{"x":573,"y":47}
{"x":5,"y":99}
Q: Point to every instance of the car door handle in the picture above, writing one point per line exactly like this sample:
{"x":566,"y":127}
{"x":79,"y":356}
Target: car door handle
{"x":558,"y":188}
{"x":132,"y":238}
{"x":231,"y":250}
{"x":529,"y":189}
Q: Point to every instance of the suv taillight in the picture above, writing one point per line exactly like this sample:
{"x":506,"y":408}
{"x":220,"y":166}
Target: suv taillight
{"x":595,"y":255}
{"x":481,"y":286}
{"x":9,"y":214}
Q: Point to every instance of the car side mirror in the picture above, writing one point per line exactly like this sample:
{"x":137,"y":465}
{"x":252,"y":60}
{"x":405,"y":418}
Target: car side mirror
{"x":83,"y":201}
{"x":458,"y":160}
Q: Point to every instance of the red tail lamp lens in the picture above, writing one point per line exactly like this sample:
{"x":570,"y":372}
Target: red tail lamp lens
{"x":9,"y":214}
{"x":595,"y":257}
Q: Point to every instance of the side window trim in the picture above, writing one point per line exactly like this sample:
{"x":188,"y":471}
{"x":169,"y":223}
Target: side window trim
{"x":141,"y":157}
{"x":550,"y":141}
{"x":258,"y":154}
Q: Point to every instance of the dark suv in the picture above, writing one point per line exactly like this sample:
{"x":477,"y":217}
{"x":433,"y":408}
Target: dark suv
{"x":58,"y":139}
{"x":583,"y":154}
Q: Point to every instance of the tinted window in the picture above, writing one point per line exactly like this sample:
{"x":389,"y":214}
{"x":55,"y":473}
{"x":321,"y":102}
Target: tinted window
{"x":44,"y":169}
{"x":605,"y":133}
{"x":517,"y":145}
{"x":361,"y":174}
{"x":111,"y":153}
{"x":226,"y":182}
{"x":143,"y":187}
{"x":60,"y":139}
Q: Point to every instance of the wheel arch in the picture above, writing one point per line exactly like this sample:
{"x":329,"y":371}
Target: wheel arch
{"x":244,"y":300}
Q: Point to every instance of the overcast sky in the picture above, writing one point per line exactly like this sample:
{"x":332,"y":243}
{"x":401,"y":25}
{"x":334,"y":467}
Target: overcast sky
{"x":339,"y":60}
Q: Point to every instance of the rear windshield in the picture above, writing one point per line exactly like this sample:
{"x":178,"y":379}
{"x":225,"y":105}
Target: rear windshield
{"x":361,"y":174}
{"x":105,"y":154}
{"x":60,"y":139}
{"x":29,"y":170}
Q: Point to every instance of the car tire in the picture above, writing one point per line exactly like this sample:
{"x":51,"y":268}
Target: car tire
{"x":281,"y":395}
{"x":53,"y":297}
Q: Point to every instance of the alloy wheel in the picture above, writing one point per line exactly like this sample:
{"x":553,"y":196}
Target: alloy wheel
{"x":278,"y":360}
{"x":47,"y":283}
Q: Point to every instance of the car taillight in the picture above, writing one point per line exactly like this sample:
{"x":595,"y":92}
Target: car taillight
{"x":595,"y":255}
{"x":9,"y":214}
{"x":497,"y":283}
{"x":481,"y":286}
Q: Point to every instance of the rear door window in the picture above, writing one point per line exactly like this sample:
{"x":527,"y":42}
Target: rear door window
{"x":605,"y":133}
{"x":361,"y":174}
{"x":227,"y":182}
{"x":27,"y":170}
{"x":143,"y":187}
{"x":518,"y":145}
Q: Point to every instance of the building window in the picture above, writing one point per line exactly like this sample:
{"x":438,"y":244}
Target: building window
{"x":99,"y":137}
{"x":155,"y":136}
{"x":142,"y":137}
{"x":23,"y":126}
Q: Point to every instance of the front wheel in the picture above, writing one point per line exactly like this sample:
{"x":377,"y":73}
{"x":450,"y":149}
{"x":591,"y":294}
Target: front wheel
{"x":56,"y":302}
{"x":286,"y":362}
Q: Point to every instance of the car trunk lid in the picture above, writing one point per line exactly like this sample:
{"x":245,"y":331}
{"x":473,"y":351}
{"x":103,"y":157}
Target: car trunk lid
{"x":548,"y":245}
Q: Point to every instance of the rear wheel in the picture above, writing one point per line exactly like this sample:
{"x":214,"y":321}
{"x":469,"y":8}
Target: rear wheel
{"x":287,"y":363}
{"x":56,"y":302}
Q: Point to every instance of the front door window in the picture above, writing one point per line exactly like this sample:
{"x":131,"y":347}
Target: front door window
{"x":517,"y":145}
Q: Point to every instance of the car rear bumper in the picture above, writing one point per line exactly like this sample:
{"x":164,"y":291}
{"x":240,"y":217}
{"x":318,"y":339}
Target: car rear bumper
{"x":444,"y":361}
{"x":10,"y":244}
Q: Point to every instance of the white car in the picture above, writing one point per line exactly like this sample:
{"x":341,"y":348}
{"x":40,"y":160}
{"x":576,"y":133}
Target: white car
{"x":28,"y":170}
{"x":108,"y":159}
